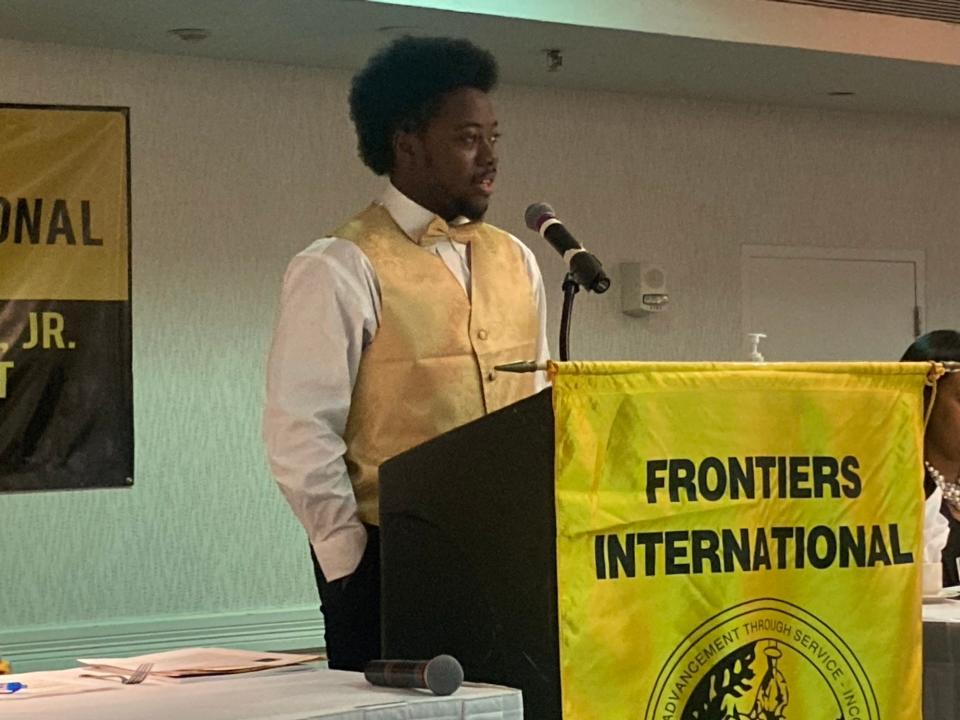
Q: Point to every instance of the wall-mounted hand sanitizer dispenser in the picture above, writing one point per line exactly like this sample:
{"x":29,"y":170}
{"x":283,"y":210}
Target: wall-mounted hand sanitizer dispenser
{"x":643,"y":289}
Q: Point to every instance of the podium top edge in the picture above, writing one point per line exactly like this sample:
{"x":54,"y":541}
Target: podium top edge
{"x":947,"y":366}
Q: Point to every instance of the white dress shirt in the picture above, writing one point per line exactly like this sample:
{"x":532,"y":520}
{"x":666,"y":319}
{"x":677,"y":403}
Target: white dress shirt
{"x":329,"y":312}
{"x":936,"y":528}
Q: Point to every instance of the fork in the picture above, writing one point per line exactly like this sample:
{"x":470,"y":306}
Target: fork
{"x":139,"y":675}
{"x":135,"y":678}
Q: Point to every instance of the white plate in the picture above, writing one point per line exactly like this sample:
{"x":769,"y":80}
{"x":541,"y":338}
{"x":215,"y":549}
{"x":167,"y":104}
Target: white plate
{"x":945,"y":595}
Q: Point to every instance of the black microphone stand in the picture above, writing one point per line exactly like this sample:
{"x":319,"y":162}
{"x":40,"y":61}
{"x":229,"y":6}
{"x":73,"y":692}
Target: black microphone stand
{"x":594,"y":281}
{"x":570,"y":289}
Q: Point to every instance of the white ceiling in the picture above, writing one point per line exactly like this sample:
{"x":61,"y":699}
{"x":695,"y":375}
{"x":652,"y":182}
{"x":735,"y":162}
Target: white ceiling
{"x":343,"y":33}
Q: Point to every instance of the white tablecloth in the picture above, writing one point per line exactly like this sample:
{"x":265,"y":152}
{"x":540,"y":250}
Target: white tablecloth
{"x":303,"y":694}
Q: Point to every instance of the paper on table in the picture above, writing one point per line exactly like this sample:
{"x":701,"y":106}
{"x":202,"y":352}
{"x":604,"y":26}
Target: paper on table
{"x":54,"y":682}
{"x":189,"y":662}
{"x":208,"y":677}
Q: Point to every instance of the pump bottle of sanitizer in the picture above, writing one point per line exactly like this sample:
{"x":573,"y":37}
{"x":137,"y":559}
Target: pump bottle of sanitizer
{"x":755,"y":338}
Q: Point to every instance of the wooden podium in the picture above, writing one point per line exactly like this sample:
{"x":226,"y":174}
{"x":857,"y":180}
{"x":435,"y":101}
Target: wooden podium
{"x":468,"y":552}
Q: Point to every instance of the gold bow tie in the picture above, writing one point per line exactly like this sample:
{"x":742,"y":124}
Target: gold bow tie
{"x":440,"y":229}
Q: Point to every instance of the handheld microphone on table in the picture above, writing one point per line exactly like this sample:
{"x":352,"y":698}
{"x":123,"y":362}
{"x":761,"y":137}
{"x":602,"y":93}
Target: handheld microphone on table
{"x":442,"y":675}
{"x":585,"y":268}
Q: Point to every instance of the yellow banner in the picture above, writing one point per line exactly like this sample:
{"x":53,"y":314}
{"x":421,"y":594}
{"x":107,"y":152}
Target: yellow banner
{"x":63,"y":204}
{"x":739,"y":541}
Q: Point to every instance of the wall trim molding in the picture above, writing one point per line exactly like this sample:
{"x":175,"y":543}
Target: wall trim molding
{"x":50,"y":647}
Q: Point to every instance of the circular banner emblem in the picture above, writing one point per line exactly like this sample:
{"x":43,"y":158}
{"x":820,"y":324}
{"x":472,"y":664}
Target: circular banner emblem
{"x":764,"y":659}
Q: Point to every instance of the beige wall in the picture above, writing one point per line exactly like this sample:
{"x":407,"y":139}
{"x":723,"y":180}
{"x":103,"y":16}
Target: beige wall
{"x":237,"y":166}
{"x":686,"y":183}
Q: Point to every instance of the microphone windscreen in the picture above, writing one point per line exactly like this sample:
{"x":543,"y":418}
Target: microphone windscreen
{"x":443,"y":675}
{"x":536,"y":214}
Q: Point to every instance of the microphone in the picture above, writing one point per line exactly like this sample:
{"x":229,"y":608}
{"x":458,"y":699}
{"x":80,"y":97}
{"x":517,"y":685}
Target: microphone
{"x":584,"y":267}
{"x":442,"y":675}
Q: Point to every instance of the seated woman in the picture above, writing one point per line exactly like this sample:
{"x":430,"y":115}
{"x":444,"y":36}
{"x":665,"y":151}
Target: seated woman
{"x":941,"y":443}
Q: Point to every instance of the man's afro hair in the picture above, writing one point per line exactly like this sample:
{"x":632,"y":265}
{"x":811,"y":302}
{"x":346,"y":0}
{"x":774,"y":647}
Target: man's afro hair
{"x":402,"y":86}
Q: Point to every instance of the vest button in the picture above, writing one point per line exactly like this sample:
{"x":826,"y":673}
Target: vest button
{"x":492,"y":375}
{"x":482,"y":334}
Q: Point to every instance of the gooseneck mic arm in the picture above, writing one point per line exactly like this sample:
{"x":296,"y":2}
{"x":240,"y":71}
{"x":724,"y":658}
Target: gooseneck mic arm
{"x":570,"y":289}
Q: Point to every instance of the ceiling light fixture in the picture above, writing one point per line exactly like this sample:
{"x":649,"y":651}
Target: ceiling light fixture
{"x":190,"y":34}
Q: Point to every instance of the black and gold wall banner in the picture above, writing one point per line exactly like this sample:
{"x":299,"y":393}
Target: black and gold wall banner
{"x":66,"y":388}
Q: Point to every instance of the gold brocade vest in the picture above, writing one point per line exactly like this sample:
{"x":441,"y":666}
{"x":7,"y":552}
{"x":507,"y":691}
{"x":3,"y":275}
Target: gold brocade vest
{"x":430,"y":366}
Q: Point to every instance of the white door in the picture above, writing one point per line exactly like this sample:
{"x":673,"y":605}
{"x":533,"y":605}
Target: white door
{"x":832,"y":304}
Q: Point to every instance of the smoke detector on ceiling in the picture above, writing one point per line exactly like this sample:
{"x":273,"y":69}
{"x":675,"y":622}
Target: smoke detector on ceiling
{"x":554,"y":58}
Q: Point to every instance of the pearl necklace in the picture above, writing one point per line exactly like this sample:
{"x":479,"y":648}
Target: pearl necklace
{"x":950,"y":489}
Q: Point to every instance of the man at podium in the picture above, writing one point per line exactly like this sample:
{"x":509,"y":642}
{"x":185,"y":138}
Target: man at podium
{"x":390,"y":327}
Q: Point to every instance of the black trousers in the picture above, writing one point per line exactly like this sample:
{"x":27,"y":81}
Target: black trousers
{"x":351,"y":609}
